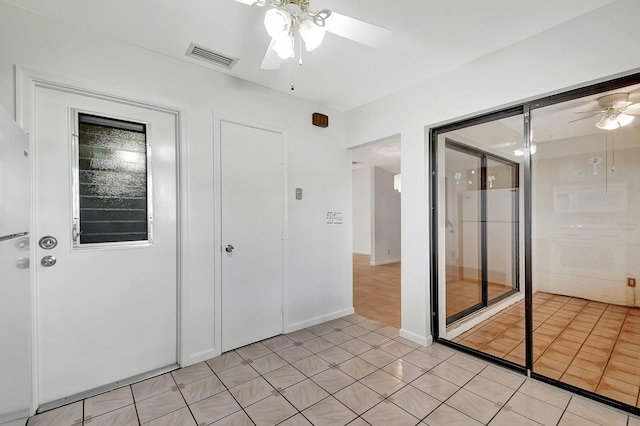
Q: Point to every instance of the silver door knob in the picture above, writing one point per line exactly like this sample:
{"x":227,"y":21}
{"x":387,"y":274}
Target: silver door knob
{"x":228,"y":248}
{"x":48,"y":261}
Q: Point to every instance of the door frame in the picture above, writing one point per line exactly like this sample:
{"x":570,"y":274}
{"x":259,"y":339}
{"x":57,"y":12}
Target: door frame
{"x":218,"y":119}
{"x":27,"y":80}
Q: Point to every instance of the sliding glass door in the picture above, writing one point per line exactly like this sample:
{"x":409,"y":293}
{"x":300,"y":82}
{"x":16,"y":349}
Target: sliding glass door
{"x":482,"y":229}
{"x":479,"y":235}
{"x":536,"y":239}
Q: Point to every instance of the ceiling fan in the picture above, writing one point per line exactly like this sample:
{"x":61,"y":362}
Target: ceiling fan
{"x":616,"y":110}
{"x":286,"y":19}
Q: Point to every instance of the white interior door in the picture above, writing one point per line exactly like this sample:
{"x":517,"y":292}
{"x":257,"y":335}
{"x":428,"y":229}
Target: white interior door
{"x":106,"y":311}
{"x":15,"y":290}
{"x":252,"y":247}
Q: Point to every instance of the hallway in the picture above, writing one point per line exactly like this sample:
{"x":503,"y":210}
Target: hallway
{"x":376,"y":290}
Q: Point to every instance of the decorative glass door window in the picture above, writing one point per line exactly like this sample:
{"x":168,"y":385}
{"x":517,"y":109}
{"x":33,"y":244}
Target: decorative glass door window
{"x":112,"y":202}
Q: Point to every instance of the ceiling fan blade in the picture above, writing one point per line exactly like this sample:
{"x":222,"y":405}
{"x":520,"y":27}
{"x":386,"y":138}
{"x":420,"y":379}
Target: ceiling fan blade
{"x":586,"y":117}
{"x":593,"y":112}
{"x":271,"y":60}
{"x":356,"y":30}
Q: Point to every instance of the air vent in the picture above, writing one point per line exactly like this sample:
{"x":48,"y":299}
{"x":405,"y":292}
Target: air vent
{"x":211,"y":56}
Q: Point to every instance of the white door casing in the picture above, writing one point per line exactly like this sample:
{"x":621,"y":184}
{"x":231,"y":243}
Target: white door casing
{"x":103,"y":314}
{"x":252,"y":216}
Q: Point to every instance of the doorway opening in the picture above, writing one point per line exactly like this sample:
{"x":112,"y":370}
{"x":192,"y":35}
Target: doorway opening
{"x":376,"y":231}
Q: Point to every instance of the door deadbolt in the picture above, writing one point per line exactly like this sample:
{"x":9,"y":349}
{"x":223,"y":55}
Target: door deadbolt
{"x":48,"y":242}
{"x":48,"y":261}
{"x":228,"y":248}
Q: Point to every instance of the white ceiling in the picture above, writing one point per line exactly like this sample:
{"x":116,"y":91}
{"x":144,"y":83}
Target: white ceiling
{"x":428,"y":37}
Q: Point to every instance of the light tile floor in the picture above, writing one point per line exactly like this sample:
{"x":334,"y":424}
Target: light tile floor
{"x":592,"y":345}
{"x":347,"y":371}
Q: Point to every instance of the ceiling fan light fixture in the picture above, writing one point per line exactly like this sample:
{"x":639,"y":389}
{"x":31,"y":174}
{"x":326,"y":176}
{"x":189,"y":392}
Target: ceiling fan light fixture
{"x":608,"y":122}
{"x":284,"y":47}
{"x":520,"y":151}
{"x":624,"y":119}
{"x":277,"y":23}
{"x":312,"y":34}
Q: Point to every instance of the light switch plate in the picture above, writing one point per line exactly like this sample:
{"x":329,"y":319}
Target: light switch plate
{"x":337,"y":218}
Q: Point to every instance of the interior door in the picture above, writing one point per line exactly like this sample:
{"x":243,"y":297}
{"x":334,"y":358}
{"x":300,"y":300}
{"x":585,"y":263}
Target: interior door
{"x":106,"y":311}
{"x":252,"y":239}
{"x":15,"y":290}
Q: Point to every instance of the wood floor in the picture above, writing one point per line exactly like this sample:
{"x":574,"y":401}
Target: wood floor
{"x":376,"y":290}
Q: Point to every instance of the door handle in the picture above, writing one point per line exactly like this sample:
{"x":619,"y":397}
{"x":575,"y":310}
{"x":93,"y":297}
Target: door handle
{"x":48,"y":261}
{"x":228,"y":248}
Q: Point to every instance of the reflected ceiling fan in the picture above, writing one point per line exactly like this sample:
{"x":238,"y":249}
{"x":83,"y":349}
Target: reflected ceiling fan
{"x":287,"y":19}
{"x":616,"y":111}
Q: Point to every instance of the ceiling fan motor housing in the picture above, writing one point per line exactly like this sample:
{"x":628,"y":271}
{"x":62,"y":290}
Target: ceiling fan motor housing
{"x":615,"y":100}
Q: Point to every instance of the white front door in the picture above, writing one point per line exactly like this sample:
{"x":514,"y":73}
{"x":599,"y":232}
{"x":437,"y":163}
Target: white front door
{"x":107,"y":308}
{"x":252,"y":239}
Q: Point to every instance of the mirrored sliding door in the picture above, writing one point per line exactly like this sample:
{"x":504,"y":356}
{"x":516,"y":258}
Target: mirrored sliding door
{"x":479,"y":237}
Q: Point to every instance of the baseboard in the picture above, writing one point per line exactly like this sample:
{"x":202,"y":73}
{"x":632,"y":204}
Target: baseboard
{"x":361,"y":252}
{"x":416,"y":338}
{"x":16,"y":418}
{"x":199,"y":357}
{"x":384,"y":262}
{"x":318,"y":320}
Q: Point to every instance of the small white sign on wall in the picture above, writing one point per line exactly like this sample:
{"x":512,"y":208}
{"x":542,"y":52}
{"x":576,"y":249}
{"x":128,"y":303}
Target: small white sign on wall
{"x":330,"y":217}
{"x":334,"y":218}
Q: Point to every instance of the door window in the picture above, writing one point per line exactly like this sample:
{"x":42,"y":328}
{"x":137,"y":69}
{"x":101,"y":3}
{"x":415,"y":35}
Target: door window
{"x":112,"y":182}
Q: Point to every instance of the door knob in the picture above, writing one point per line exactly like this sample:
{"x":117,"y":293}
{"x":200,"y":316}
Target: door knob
{"x":48,"y":261}
{"x":228,"y":248}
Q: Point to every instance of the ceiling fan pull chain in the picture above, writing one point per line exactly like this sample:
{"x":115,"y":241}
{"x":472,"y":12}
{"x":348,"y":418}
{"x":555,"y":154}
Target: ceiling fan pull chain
{"x":292,"y":68}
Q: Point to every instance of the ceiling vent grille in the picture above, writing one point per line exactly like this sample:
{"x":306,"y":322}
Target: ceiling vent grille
{"x":211,"y":56}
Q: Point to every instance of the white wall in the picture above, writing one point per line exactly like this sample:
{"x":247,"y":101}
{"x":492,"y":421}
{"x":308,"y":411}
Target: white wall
{"x":386,"y":219}
{"x":566,"y":56}
{"x":362,"y":210}
{"x":588,"y":225}
{"x":318,"y":265}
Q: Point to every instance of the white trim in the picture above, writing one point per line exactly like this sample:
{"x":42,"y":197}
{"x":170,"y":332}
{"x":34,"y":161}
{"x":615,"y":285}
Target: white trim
{"x":199,"y":357}
{"x":27,"y":79}
{"x":218,"y":118}
{"x":318,"y":320}
{"x":416,"y":338}
{"x":385,"y":262}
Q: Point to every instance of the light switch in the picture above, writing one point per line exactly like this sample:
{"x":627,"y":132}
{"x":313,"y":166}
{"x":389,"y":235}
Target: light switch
{"x":337,"y":218}
{"x":298,"y":193}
